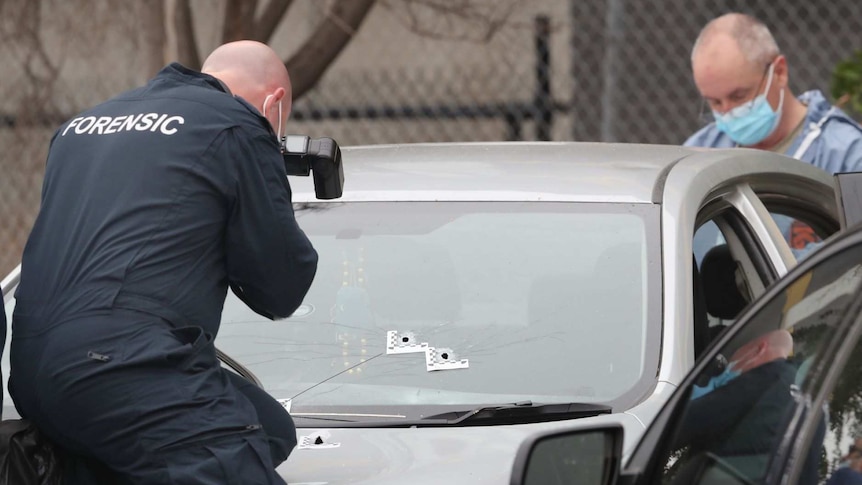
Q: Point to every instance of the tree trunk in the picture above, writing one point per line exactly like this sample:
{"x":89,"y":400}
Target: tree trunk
{"x":238,"y":20}
{"x":269,"y":20}
{"x":152,"y":15}
{"x":315,"y":56}
{"x":187,"y":46}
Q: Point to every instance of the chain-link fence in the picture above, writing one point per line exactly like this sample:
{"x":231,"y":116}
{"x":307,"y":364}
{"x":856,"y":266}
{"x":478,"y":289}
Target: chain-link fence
{"x":598,"y":70}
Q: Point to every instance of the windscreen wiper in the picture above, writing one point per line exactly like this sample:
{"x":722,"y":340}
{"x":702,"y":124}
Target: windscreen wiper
{"x":515,"y":413}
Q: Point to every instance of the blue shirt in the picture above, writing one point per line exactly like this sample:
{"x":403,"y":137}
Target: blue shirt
{"x":829,"y":140}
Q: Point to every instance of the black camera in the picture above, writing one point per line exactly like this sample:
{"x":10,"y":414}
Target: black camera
{"x":321,"y":156}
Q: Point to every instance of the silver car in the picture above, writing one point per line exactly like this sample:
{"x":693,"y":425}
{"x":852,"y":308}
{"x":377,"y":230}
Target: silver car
{"x":470,"y":295}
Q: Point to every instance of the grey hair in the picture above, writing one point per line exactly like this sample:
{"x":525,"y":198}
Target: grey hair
{"x":751,"y":35}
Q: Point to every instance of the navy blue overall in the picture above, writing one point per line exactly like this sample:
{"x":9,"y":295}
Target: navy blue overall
{"x":153,"y":204}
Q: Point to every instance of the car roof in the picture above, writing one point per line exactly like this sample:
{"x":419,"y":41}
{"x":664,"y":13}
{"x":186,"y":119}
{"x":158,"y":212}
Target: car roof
{"x":590,"y":172}
{"x":543,"y":171}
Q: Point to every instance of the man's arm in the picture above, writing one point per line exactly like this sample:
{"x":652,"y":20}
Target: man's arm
{"x":270,"y":262}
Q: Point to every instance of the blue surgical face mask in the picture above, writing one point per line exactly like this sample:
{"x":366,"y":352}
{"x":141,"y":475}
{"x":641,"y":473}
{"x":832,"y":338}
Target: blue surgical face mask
{"x":726,"y":376}
{"x":750,"y":123}
{"x":730,"y":373}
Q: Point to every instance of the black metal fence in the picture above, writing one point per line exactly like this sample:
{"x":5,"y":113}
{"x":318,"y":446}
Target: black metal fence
{"x":541,"y":109}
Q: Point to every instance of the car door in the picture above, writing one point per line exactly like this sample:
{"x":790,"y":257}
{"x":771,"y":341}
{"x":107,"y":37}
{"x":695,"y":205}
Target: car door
{"x":775,"y":419}
{"x":740,"y":247}
{"x":848,"y":193}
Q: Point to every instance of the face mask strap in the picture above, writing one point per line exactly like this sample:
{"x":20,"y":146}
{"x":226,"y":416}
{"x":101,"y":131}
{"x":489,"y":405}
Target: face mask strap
{"x":744,"y":359}
{"x":780,"y":102}
{"x":768,"y":85}
{"x":278,"y":134}
{"x":769,"y":78}
{"x":265,"y":100}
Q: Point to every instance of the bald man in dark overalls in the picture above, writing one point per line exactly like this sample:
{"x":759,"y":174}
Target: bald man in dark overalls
{"x":153,"y":204}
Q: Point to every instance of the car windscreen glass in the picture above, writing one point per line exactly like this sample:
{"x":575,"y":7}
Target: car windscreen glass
{"x":542,"y":301}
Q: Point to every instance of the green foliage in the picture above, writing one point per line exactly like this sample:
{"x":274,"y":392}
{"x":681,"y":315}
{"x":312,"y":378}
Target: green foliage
{"x":847,"y":84}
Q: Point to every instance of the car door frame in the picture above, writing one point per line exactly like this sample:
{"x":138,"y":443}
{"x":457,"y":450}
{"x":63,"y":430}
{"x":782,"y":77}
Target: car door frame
{"x":735,"y":177}
{"x":644,"y":464}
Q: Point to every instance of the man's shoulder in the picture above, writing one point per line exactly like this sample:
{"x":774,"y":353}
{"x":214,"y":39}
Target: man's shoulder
{"x":219,"y":109}
{"x":779,"y":371}
{"x":842,"y":129}
{"x":783,"y":367}
{"x":845,"y":476}
{"x":199,"y":92}
{"x":709,"y":137}
{"x":833,"y":120}
{"x":841,"y":145}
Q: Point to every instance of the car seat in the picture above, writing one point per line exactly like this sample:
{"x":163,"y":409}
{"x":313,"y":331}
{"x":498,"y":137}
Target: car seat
{"x":724,"y":300}
{"x":722,"y":295}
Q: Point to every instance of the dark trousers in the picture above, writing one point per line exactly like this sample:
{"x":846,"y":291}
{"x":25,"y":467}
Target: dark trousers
{"x":131,"y":397}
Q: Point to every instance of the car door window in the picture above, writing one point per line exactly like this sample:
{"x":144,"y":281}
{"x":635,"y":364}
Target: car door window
{"x":805,"y":224}
{"x":800,"y":233}
{"x":735,"y":416}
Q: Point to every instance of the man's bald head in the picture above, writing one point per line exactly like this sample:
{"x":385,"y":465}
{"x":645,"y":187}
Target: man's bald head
{"x":780,"y":341}
{"x":749,"y":36}
{"x":777,"y":344}
{"x":734,"y":60}
{"x":254,"y":72}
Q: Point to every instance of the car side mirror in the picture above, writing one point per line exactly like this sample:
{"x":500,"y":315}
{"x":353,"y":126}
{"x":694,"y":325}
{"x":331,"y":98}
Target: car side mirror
{"x":848,"y":195}
{"x":586,"y":456}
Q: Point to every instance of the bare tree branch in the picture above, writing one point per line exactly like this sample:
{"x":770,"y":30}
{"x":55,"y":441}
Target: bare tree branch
{"x":238,"y":20}
{"x":318,"y":52}
{"x":187,"y":46}
{"x":466,"y":20}
{"x":272,"y":15}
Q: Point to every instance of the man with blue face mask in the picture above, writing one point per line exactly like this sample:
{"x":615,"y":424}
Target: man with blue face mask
{"x":741,"y":411}
{"x":772,"y":347}
{"x":744,"y":80}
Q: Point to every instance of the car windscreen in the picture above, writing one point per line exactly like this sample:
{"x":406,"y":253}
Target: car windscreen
{"x":431,"y":303}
